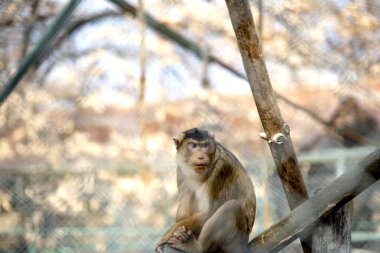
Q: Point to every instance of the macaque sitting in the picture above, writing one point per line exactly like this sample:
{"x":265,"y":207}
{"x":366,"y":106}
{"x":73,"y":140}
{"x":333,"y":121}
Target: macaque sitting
{"x":217,"y":201}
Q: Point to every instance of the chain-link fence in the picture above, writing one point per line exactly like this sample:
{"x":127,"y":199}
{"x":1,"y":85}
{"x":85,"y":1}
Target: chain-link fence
{"x":43,"y":210}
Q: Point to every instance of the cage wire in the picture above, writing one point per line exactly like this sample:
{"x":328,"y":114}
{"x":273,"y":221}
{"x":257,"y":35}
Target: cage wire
{"x":85,"y":166}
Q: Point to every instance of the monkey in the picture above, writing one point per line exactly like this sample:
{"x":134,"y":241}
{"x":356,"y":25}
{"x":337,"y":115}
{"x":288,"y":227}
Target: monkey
{"x":217,"y":202}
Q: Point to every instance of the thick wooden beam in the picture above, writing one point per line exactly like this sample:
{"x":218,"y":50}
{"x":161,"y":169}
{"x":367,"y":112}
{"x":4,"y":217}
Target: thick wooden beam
{"x":305,"y":218}
{"x":276,"y":131}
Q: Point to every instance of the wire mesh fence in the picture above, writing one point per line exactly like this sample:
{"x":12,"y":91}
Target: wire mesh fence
{"x":110,"y":211}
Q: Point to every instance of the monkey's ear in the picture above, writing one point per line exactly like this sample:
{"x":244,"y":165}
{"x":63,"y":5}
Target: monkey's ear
{"x":177,"y":142}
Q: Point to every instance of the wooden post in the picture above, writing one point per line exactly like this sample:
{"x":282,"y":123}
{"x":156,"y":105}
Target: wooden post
{"x":334,"y":234}
{"x":276,"y":131}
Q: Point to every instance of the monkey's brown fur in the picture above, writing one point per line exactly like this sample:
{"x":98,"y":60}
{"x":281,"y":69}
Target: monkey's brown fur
{"x":217,"y":201}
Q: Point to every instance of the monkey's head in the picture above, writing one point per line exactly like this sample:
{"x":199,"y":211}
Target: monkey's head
{"x":195,"y":148}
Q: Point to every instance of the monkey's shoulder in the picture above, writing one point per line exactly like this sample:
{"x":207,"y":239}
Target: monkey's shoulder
{"x":227,"y":158}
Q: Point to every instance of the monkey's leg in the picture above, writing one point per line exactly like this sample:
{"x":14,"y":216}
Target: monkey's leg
{"x":226,"y":230}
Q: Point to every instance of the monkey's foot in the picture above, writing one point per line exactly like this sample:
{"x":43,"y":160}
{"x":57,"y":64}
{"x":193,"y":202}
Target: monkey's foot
{"x":184,"y":239}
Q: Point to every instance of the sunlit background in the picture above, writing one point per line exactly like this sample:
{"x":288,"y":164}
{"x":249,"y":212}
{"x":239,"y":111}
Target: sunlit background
{"x":87,"y":162}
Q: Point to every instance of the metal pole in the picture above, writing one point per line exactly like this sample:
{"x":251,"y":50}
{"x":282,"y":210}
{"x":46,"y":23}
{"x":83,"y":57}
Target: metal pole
{"x":37,"y":51}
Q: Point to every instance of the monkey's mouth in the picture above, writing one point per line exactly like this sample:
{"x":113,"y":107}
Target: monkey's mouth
{"x":199,"y":168}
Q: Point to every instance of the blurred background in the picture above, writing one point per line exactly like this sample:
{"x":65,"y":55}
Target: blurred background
{"x":87,"y":162}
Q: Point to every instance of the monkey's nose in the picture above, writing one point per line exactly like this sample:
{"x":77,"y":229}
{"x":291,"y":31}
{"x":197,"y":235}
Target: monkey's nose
{"x":201,"y":158}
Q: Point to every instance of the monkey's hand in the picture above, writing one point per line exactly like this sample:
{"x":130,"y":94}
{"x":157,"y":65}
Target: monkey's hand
{"x":184,"y":240}
{"x":181,"y":235}
{"x":193,"y":223}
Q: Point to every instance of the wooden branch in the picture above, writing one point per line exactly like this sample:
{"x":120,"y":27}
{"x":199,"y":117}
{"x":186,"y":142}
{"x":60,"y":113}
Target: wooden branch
{"x":276,"y":131}
{"x":306,"y":217}
{"x":78,"y":24}
{"x":161,"y":29}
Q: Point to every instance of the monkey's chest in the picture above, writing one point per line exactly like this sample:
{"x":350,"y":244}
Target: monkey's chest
{"x":203,"y":200}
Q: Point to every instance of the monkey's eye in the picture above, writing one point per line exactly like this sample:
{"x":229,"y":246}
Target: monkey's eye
{"x":204,"y":145}
{"x":192,"y":145}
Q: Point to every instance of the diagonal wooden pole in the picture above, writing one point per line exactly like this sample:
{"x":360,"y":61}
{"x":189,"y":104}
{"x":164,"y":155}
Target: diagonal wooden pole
{"x":276,"y":131}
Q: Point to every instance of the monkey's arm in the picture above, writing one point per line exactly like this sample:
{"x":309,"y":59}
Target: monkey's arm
{"x":187,"y":206}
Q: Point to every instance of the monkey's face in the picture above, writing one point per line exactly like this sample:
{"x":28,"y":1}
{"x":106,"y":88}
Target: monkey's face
{"x":196,"y":154}
{"x":195,"y":150}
